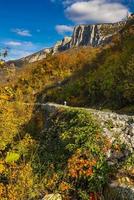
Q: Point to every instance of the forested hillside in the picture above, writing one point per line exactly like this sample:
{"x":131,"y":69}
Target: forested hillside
{"x":107,"y":82}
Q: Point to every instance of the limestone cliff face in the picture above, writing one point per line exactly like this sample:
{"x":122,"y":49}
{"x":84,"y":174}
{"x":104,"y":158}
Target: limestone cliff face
{"x":62,"y":45}
{"x":94,"y":35}
{"x":89,"y":35}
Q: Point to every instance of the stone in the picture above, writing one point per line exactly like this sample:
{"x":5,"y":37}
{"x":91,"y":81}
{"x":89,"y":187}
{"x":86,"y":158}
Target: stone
{"x":131,"y":130}
{"x":116,"y":191}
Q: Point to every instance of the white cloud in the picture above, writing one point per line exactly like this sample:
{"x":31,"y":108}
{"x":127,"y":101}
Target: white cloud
{"x":13,"y":43}
{"x":16,"y":54}
{"x":17,"y":44}
{"x":61,"y":29}
{"x":65,"y":2}
{"x":19,"y":49}
{"x":96,"y":11}
{"x":68,"y":2}
{"x":22,"y":32}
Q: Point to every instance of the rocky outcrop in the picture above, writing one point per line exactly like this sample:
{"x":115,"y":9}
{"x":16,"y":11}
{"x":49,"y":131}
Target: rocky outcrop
{"x":116,"y":127}
{"x":62,"y":45}
{"x":94,"y":35}
{"x":119,"y":192}
{"x":131,"y":16}
{"x":89,"y":35}
{"x":37,"y":56}
{"x":32,"y":58}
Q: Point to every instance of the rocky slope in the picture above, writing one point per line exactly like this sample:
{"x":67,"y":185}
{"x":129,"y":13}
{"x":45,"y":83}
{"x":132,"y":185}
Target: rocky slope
{"x":37,"y":56}
{"x":31,"y":58}
{"x":117,"y":128}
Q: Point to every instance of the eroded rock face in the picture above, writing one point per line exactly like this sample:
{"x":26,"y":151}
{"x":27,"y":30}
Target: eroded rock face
{"x":93,"y":35}
{"x":62,"y":45}
{"x":89,"y":35}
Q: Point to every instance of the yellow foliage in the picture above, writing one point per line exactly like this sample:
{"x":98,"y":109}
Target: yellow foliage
{"x":2,"y":168}
{"x":2,"y":191}
{"x":64,"y":186}
{"x":5,"y":97}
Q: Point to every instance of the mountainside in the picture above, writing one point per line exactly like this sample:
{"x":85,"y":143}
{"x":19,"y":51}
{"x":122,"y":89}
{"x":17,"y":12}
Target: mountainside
{"x":83,"y":35}
{"x":80,"y":153}
{"x":108,"y":81}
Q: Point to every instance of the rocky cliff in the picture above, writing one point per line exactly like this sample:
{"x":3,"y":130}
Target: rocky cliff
{"x":89,"y":35}
{"x":94,"y":35}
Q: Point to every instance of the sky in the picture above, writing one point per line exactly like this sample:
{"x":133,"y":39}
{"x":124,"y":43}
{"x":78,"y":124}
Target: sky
{"x":28,"y":26}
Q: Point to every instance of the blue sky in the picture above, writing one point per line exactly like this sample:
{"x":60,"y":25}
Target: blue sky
{"x":30,"y":25}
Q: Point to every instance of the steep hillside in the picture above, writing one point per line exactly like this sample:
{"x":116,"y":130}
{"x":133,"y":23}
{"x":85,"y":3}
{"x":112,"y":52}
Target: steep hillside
{"x":62,"y":149}
{"x":34,"y":78}
{"x":23,"y":87}
{"x":107,"y":82}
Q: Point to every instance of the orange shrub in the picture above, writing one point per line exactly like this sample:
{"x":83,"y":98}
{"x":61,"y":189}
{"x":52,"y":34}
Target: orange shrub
{"x":79,"y":165}
{"x":64,"y":186}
